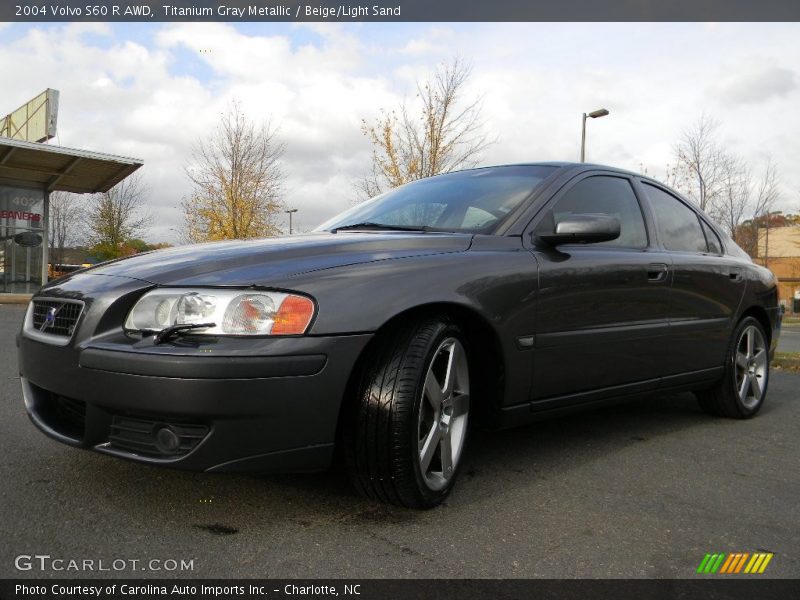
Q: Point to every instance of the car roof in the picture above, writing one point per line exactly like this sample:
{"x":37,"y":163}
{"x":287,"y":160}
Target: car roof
{"x":572,"y":166}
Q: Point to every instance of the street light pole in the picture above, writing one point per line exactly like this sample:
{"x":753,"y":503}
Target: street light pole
{"x":291,"y":211}
{"x":583,"y":139}
{"x":601,"y":112}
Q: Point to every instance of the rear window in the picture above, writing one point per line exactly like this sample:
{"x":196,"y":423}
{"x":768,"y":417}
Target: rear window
{"x":714,"y":243}
{"x":678,"y":225}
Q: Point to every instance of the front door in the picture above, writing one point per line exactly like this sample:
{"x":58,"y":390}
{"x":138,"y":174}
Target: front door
{"x":601,"y":311}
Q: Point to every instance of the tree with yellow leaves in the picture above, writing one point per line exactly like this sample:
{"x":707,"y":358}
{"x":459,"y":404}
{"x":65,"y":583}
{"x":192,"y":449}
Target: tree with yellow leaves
{"x":117,"y":216}
{"x":237,"y":182}
{"x":442,"y":133}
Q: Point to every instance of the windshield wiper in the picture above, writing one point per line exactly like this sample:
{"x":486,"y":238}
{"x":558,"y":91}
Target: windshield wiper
{"x":173,"y":330}
{"x":382,"y":226}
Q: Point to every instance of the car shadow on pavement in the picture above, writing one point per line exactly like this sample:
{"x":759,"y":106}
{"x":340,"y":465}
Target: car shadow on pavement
{"x":540,"y":448}
{"x":497,"y":462}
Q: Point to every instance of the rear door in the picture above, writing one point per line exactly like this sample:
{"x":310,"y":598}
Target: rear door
{"x":707,"y":286}
{"x":601,"y":310}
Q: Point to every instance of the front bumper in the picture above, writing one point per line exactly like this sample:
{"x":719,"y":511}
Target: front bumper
{"x":237,"y":404}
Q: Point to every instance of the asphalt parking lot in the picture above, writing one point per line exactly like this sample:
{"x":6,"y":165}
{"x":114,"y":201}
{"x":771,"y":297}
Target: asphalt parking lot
{"x":640,"y":490}
{"x":790,"y":338}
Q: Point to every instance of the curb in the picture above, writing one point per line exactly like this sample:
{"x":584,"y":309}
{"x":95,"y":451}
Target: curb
{"x":15,"y":298}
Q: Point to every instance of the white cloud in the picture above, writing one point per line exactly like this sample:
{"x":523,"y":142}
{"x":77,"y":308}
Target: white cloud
{"x":435,"y":41}
{"x":655,"y":79}
{"x":152,"y":96}
{"x":756,"y":83}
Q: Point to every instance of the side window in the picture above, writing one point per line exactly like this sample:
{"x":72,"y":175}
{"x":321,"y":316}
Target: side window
{"x":678,"y":225}
{"x":714,"y":243}
{"x":601,"y":194}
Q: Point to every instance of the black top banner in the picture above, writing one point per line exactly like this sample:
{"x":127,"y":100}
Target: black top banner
{"x":398,"y":10}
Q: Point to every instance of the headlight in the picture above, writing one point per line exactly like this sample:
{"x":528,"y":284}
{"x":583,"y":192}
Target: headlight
{"x":233,"y":312}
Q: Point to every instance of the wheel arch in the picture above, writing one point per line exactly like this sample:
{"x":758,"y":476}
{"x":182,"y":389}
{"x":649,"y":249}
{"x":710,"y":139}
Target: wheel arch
{"x":487,"y":365}
{"x":759,"y":313}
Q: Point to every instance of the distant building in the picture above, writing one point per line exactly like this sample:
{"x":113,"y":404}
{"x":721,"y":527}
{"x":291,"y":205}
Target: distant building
{"x":781,"y":254}
{"x":29,"y":172}
{"x":79,"y":256}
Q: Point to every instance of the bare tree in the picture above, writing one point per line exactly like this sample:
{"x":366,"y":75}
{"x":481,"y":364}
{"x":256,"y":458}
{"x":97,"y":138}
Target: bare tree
{"x":117,"y":216}
{"x":237,"y":182}
{"x":441,"y":133}
{"x":67,"y":224}
{"x":762,"y":196}
{"x":768,"y":189}
{"x":701,"y":163}
{"x":675,"y":175}
{"x":722,"y":184}
{"x":766,"y":194}
{"x":733,"y":200}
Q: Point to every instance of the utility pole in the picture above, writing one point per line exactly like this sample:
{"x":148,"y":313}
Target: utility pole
{"x":768,"y":215}
{"x":290,"y":212}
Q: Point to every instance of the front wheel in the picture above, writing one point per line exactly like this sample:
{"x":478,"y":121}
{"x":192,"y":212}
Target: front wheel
{"x":741,"y":392}
{"x":406,"y":435}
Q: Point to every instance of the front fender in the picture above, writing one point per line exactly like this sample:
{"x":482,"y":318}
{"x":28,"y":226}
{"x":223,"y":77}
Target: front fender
{"x":496,"y":280}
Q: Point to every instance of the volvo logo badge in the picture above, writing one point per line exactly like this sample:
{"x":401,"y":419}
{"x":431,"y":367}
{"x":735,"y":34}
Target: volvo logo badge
{"x":50,"y":317}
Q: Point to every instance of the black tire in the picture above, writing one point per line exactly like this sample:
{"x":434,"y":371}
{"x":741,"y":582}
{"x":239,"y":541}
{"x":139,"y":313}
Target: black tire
{"x":725,"y":399}
{"x":381,"y":433}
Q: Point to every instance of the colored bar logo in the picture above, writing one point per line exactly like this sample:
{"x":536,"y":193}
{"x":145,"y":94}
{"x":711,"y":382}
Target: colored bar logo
{"x":735,"y":562}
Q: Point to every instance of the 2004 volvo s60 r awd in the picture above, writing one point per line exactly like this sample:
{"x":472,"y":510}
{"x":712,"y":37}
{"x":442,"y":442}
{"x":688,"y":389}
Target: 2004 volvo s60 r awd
{"x":503,"y":293}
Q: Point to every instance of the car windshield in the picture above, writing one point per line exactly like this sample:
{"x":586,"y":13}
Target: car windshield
{"x":473,"y":201}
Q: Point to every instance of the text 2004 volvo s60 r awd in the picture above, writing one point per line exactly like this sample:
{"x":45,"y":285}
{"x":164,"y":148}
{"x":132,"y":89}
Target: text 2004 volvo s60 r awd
{"x":504,"y":293}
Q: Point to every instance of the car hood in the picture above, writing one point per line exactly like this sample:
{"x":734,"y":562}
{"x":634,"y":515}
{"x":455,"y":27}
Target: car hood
{"x":257,"y":262}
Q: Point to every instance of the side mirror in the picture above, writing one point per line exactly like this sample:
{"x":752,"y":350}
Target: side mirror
{"x":583,"y":229}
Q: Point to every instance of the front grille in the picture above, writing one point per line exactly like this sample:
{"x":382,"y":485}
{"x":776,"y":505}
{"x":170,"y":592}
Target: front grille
{"x":56,"y":317}
{"x":140,"y":436}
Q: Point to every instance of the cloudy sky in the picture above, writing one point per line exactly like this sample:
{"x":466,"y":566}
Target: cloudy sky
{"x":150,"y":91}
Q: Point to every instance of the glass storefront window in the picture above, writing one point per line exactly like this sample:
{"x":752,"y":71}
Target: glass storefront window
{"x":21,"y":238}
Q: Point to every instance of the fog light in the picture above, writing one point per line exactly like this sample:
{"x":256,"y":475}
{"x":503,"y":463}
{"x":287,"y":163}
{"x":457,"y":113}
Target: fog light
{"x":167,"y":441}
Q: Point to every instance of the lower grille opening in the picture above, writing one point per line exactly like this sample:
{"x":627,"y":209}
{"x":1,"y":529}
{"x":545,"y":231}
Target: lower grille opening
{"x":66,"y":416}
{"x":72,"y":414}
{"x":155,"y":437}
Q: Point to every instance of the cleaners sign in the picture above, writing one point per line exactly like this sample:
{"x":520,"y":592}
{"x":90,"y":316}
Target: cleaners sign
{"x":20,"y":215}
{"x":21,"y":207}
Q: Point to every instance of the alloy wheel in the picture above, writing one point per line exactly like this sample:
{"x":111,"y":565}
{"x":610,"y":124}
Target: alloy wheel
{"x":443,"y":414}
{"x":752,"y":366}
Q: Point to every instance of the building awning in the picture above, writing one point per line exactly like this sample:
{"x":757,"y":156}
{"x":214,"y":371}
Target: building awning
{"x":56,"y":168}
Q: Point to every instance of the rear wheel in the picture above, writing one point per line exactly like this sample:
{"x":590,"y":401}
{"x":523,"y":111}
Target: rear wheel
{"x":406,"y":435}
{"x":741,"y":391}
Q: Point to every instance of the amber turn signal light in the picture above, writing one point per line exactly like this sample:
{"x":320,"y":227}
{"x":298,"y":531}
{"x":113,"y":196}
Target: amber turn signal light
{"x":293,"y":316}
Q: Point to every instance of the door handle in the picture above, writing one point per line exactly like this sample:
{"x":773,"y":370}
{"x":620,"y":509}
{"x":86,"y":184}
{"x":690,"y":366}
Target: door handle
{"x":657,"y":272}
{"x":735,"y":275}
